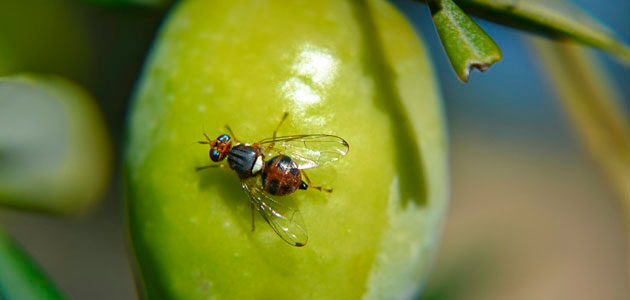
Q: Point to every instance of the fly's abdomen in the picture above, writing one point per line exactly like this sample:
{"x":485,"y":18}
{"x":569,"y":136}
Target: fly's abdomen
{"x":281,"y":176}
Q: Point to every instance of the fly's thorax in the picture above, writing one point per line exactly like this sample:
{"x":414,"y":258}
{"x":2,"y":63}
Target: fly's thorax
{"x":246,"y":160}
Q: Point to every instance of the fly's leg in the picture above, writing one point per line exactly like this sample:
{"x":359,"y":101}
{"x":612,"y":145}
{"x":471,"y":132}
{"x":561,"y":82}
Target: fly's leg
{"x":232,"y":133}
{"x":319,"y":188}
{"x":275,"y":132}
{"x":253,"y":215}
{"x":223,"y":167}
{"x":284,"y":117}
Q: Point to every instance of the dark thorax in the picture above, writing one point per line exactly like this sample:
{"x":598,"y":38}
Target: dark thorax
{"x":246,"y":160}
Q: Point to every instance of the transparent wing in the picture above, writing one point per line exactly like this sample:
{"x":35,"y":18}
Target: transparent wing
{"x":286,"y":221}
{"x":308,"y":151}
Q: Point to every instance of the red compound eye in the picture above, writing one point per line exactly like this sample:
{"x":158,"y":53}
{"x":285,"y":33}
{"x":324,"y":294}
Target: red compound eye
{"x":215,"y":155}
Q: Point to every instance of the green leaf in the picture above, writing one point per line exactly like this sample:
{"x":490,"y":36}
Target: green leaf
{"x":54,"y":149}
{"x":154,"y":3}
{"x":466,"y":44}
{"x":558,"y":19}
{"x":355,"y":69}
{"x":20,"y":278}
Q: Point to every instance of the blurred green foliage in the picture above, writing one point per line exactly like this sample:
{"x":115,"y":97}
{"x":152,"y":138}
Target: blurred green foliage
{"x":55,"y":153}
{"x":43,"y":36}
{"x":20,"y":279}
{"x":158,"y":3}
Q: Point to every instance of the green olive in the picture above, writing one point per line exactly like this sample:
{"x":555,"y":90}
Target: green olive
{"x":348,"y":68}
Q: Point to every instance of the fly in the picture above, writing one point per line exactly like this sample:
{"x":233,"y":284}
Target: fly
{"x":266,"y":181}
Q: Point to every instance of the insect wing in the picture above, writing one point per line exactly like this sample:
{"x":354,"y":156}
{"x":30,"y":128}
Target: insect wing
{"x":286,"y":221}
{"x":308,"y":151}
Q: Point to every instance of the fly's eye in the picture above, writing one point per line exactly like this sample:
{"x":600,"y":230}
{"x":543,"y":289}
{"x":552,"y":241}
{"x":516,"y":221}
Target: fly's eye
{"x":224,"y":138}
{"x":215,"y":155}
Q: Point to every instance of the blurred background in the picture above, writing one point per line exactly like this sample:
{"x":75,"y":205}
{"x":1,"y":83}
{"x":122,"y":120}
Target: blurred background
{"x":531,"y":217}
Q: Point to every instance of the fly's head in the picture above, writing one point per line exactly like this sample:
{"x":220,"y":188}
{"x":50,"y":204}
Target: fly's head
{"x":220,"y":148}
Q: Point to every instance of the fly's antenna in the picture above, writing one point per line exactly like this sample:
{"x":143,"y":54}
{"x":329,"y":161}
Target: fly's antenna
{"x":207,"y":138}
{"x":227,"y":127}
{"x":208,"y":141}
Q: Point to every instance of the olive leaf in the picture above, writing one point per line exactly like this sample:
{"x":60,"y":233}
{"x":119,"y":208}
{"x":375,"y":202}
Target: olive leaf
{"x":20,"y":278}
{"x":468,"y":47}
{"x":557,"y":19}
{"x":592,"y":105}
{"x":54,"y":149}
